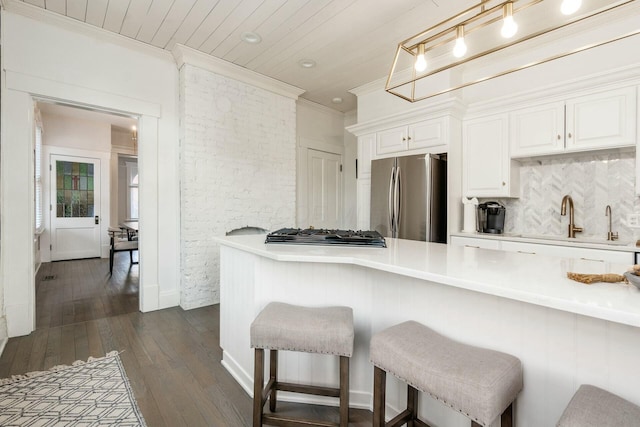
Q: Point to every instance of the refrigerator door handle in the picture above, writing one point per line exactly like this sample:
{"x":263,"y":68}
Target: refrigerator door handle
{"x":391,"y":194}
{"x":397,"y":194}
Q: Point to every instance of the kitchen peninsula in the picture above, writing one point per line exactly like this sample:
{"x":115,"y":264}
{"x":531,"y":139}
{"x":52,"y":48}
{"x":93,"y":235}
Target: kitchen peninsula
{"x":565,"y":333}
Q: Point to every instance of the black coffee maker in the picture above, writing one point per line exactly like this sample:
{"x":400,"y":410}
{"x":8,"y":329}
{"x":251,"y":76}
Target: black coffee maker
{"x":490,"y":218}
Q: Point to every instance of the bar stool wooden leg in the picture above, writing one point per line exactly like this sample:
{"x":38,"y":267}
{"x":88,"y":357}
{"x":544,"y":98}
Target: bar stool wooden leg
{"x":379,"y":398}
{"x":344,"y":391}
{"x":273,"y":378}
{"x":258,"y":384}
{"x":506,"y":419}
{"x":412,"y":404}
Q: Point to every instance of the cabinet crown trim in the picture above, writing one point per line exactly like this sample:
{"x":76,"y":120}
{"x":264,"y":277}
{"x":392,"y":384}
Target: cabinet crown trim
{"x":449,"y":107}
{"x":611,"y":79}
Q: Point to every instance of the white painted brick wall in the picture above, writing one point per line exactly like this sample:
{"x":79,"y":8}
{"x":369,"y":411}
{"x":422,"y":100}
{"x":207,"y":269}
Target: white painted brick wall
{"x":238,"y":168}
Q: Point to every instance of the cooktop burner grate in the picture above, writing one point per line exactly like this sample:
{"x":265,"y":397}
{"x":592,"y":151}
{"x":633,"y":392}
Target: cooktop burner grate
{"x":312,"y":236}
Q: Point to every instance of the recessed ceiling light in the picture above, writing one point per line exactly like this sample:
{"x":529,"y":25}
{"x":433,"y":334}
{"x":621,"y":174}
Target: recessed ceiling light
{"x":337,"y":100}
{"x":307,"y":63}
{"x":251,"y":37}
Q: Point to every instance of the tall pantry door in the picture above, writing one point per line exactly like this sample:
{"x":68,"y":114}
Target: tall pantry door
{"x":324,"y":189}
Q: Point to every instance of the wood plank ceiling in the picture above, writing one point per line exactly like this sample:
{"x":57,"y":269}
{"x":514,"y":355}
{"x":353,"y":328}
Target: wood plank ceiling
{"x":352,"y":42}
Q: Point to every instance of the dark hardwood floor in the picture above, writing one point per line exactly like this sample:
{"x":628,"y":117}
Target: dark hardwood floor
{"x":172,"y":357}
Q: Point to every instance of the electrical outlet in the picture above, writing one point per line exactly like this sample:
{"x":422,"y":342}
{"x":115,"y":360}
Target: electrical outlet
{"x":633,"y":220}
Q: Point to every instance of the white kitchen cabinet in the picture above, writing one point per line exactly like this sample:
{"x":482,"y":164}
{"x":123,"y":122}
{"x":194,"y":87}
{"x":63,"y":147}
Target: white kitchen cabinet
{"x":537,"y":130}
{"x":423,"y":134}
{"x":428,"y":133}
{"x":568,"y":252}
{"x":392,"y":140}
{"x":561,"y":251}
{"x":600,"y":120}
{"x":366,"y":147}
{"x":487,"y":167}
{"x":472,"y":242}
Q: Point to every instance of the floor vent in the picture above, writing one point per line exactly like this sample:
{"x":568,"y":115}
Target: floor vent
{"x":47,"y":278}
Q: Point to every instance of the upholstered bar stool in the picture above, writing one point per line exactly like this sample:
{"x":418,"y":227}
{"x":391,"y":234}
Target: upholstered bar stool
{"x":594,"y":407}
{"x":279,"y":326}
{"x":477,"y":382}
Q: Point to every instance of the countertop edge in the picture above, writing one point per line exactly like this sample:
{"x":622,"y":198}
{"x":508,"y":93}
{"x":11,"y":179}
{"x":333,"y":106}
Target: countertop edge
{"x":548,"y":301}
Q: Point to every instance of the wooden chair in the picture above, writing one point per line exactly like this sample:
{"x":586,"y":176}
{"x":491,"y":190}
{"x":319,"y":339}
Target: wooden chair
{"x":120,"y":243}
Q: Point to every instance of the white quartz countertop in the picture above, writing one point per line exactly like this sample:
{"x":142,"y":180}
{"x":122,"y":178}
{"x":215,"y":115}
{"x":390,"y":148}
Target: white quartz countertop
{"x":577,"y":242}
{"x":539,"y":280}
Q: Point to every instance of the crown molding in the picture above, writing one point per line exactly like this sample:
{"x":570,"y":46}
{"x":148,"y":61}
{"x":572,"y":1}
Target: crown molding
{"x":615,"y":78}
{"x":320,"y":107}
{"x":73,"y":25}
{"x":186,"y":55}
{"x":448,"y":107}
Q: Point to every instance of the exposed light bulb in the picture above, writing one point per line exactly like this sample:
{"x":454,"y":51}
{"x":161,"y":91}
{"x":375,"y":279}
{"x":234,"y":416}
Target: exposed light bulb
{"x":569,"y":7}
{"x":509,"y":26}
{"x":421,"y":62}
{"x":460,"y":48}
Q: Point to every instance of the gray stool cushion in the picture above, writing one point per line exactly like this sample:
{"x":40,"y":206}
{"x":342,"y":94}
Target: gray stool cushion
{"x":593,"y":406}
{"x":477,"y":382}
{"x":281,"y":326}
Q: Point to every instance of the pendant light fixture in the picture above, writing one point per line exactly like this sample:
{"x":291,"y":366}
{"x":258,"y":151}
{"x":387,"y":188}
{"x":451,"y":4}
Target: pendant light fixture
{"x":460,"y":48}
{"x":421,"y":62}
{"x":492,"y":26}
{"x":569,"y":7}
{"x":509,"y":25}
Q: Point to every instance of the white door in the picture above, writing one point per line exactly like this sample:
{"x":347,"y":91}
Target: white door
{"x":324,"y":189}
{"x":75,"y":207}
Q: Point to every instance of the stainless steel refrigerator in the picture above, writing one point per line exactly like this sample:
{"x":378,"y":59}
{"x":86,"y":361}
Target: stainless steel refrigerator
{"x":409,"y":197}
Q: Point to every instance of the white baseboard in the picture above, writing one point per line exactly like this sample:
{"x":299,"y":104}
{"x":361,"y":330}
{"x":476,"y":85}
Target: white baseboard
{"x":3,"y":343}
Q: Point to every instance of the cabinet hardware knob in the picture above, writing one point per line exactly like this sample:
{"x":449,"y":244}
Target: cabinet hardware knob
{"x":504,"y":183}
{"x":404,"y":139}
{"x":569,"y":134}
{"x":559,"y":137}
{"x":409,"y":138}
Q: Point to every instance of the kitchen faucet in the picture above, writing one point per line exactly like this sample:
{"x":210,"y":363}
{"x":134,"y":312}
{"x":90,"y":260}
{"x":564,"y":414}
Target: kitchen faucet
{"x":610,"y":235}
{"x":563,"y":211}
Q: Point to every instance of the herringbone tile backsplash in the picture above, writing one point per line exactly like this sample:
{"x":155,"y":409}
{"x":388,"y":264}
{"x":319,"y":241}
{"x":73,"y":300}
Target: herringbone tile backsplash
{"x":593,"y":181}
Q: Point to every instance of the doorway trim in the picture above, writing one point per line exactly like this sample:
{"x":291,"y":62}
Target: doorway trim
{"x":17,"y":270}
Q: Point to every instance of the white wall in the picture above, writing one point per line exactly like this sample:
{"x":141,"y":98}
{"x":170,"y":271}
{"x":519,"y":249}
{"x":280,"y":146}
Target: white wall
{"x":58,"y":58}
{"x":70,"y":132}
{"x":238,"y":169}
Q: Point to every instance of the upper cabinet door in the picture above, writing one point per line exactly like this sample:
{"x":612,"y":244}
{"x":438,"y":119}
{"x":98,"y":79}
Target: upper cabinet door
{"x":487,"y":168}
{"x":537,"y":130}
{"x":428,"y":133}
{"x":392,"y":140}
{"x":601,"y":120}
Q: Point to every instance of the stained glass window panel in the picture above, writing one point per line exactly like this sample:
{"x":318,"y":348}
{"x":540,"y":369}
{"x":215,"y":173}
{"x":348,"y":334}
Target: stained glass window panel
{"x":74,"y":190}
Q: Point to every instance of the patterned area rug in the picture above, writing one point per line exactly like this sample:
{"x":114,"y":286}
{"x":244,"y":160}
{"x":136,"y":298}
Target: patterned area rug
{"x":93,"y":393}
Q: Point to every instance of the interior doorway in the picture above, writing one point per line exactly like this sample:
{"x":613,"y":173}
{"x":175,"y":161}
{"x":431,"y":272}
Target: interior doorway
{"x":82,"y":195}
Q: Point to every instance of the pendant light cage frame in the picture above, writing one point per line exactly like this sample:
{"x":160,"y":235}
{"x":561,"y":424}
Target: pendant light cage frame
{"x":402,"y":81}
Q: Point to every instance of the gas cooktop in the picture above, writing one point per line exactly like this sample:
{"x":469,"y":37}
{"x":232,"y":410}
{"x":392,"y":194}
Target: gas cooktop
{"x":312,"y":236}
